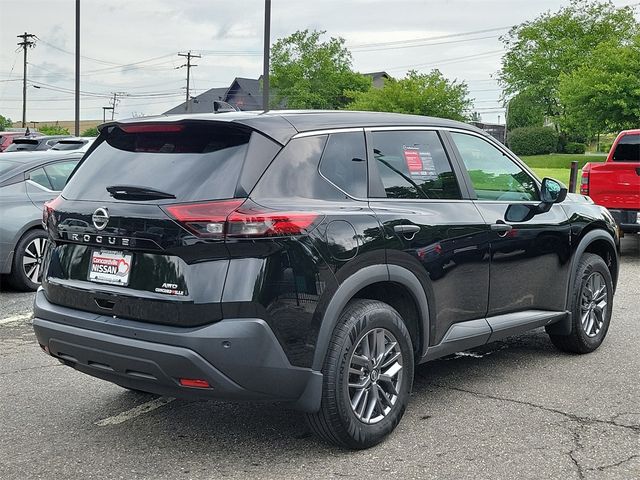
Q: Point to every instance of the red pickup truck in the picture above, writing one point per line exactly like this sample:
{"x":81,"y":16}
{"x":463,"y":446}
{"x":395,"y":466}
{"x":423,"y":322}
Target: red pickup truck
{"x":615,"y":184}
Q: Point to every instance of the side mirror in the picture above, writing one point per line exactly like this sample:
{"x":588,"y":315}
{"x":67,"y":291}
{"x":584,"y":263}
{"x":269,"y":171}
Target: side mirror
{"x":552,"y":191}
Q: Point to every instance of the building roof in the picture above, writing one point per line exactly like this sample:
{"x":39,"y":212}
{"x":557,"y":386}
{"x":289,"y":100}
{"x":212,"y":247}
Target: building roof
{"x":202,"y":103}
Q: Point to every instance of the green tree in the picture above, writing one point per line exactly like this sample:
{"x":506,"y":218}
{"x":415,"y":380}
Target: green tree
{"x":418,"y":93}
{"x":53,"y":130}
{"x":5,"y":123}
{"x":306,"y":72}
{"x":540,"y":51}
{"x":90,"y":132}
{"x":524,"y":110}
{"x":604,"y":94}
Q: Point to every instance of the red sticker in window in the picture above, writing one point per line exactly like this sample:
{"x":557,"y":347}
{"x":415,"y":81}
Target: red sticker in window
{"x":412,"y":157}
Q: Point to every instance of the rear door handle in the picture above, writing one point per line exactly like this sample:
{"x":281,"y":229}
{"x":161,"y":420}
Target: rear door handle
{"x":407,"y":231}
{"x":501,"y":227}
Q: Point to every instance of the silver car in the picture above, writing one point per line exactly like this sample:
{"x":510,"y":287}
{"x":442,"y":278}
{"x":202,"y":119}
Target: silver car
{"x":27,"y":180}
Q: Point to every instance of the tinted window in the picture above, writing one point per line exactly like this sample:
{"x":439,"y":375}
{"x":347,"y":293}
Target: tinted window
{"x":294,"y":173}
{"x":22,"y":144}
{"x":58,"y":173}
{"x":413,"y":164}
{"x":628,"y":149}
{"x":344,"y":162}
{"x":494,"y":175}
{"x":68,"y":145}
{"x":195,"y":161}
{"x":40,"y":177}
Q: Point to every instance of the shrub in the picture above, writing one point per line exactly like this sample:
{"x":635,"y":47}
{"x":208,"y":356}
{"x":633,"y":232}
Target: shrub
{"x":533,"y":140}
{"x":575,"y":148}
{"x":53,"y":130}
{"x":90,"y":132}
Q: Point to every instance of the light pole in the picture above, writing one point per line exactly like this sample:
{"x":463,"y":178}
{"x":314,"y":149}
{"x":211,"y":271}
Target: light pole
{"x":265,"y":60}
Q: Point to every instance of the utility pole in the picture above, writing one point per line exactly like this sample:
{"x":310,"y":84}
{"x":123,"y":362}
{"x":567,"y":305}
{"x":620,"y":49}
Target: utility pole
{"x":114,"y":101}
{"x":26,"y":42}
{"x":265,"y":60}
{"x":188,"y":56}
{"x":77,"y":105}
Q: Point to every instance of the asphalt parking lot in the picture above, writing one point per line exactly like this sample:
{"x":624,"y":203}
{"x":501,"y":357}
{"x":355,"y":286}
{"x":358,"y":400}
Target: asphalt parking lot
{"x":513,"y":409}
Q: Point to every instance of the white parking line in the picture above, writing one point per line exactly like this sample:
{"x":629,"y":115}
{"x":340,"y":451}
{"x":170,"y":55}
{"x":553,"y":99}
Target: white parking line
{"x":134,"y":412}
{"x":15,"y":318}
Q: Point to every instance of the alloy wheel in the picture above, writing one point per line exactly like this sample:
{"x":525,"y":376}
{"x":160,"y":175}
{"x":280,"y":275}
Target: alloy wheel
{"x":593,"y":304}
{"x":32,"y":259}
{"x":375,"y":375}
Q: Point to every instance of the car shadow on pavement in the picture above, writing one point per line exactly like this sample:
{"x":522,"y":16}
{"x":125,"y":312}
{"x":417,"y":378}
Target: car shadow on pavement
{"x":252,"y":436}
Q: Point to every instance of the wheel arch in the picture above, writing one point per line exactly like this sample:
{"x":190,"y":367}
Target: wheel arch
{"x":371,"y":282}
{"x":601,"y":243}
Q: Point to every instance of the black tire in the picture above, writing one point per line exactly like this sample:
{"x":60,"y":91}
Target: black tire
{"x":26,"y":248}
{"x":336,"y":422}
{"x":579,"y":340}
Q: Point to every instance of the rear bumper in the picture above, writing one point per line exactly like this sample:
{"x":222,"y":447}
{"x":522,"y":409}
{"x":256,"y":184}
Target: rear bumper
{"x":241,"y":359}
{"x":627,"y":220}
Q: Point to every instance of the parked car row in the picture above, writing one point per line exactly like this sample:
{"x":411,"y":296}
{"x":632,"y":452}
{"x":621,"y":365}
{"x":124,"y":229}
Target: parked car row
{"x":34,"y":141}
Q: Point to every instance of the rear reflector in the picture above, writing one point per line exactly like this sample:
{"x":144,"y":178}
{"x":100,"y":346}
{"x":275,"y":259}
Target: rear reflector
{"x":239,"y":219}
{"x":152,"y":128}
{"x":194,"y":383}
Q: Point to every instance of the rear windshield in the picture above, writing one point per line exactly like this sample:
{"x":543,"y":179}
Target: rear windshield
{"x":67,"y":145}
{"x":628,"y":149}
{"x":6,"y":166}
{"x":196,"y":161}
{"x":22,"y":144}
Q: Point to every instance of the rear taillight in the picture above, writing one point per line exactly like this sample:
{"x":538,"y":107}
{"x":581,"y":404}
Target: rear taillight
{"x":584,"y":183}
{"x":240,"y":219}
{"x":48,"y":209}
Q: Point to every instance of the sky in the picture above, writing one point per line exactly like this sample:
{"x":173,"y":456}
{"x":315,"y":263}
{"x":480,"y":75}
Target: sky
{"x":130,"y":47}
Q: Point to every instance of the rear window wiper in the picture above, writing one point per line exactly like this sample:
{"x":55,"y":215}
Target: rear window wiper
{"x":132,"y":192}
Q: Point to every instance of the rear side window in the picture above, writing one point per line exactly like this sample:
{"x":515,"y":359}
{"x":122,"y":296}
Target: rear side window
{"x":192,"y":161}
{"x":58,"y":173}
{"x":414,"y":165}
{"x":628,"y":149}
{"x":294,"y":173}
{"x":344,"y":163}
{"x":40,"y":177}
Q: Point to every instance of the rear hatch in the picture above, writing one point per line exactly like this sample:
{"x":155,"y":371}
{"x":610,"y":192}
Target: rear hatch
{"x":615,"y":184}
{"x":123,"y":243}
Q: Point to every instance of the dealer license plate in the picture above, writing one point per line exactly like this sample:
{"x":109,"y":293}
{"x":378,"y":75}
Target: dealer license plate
{"x":108,"y":266}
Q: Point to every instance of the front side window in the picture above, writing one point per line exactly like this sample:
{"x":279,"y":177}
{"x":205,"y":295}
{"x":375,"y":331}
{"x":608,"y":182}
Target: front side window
{"x":494,"y":176}
{"x":414,"y":165}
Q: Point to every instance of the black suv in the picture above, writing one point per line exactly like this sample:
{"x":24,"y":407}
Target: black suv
{"x":311,"y":258}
